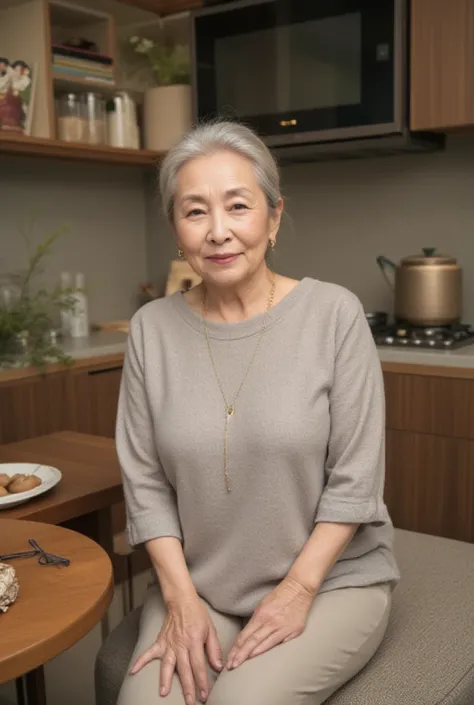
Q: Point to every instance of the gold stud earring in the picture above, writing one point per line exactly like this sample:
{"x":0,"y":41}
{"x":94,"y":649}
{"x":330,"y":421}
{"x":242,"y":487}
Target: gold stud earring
{"x":180,"y":253}
{"x":272,"y":243}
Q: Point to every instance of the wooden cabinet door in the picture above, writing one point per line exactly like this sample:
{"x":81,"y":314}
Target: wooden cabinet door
{"x":442,"y":64}
{"x":429,"y":484}
{"x":436,"y":405}
{"x":35,"y":406}
{"x":96,"y":394}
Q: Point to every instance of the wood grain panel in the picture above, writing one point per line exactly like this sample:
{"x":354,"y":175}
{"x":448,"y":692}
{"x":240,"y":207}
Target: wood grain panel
{"x":433,"y":405}
{"x":442,"y":64}
{"x":83,"y":400}
{"x":57,"y":607}
{"x":91,"y":476}
{"x":11,"y":143}
{"x":409,"y":368}
{"x":35,"y":407}
{"x":96,"y":393}
{"x":430,"y":484}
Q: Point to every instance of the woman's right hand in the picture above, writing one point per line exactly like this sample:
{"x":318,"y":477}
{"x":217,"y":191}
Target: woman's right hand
{"x":187,"y":635}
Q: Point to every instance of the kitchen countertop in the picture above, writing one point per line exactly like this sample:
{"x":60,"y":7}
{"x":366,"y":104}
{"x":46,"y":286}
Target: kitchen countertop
{"x":99,"y":349}
{"x":96,"y":345}
{"x":111,"y":343}
{"x":108,"y":347}
{"x":462,"y":357}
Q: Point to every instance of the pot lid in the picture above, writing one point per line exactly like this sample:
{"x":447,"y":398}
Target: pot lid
{"x":428,"y":256}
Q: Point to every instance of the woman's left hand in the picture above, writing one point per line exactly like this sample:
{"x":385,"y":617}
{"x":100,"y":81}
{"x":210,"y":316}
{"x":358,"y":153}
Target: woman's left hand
{"x":280,"y":617}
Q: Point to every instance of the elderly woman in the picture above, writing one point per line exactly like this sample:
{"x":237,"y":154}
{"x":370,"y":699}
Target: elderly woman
{"x":251,"y":439}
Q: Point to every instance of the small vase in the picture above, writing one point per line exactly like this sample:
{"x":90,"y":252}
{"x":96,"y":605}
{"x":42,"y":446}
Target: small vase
{"x":167,"y":116}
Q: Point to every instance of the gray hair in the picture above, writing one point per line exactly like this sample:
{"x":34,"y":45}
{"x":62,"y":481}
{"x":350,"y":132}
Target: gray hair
{"x":211,"y":137}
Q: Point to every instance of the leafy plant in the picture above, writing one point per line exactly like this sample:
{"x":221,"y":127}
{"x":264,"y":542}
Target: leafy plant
{"x":27,"y":317}
{"x":170,"y":64}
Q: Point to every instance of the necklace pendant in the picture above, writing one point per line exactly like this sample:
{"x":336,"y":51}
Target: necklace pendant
{"x":230,"y":411}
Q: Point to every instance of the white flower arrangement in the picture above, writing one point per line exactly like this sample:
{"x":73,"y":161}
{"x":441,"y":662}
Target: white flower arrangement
{"x":170,"y":65}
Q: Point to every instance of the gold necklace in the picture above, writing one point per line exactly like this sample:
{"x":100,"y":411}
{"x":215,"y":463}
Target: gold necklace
{"x":230,"y":408}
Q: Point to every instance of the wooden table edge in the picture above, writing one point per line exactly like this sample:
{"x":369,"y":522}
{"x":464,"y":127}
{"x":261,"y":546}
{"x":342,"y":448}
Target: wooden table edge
{"x":69,"y":509}
{"x":39,"y":654}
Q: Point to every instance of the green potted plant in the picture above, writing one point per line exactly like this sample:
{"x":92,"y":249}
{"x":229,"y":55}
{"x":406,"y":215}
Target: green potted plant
{"x":28,"y":312}
{"x":167,"y":105}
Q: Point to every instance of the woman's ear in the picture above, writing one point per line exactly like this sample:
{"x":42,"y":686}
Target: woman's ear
{"x":275,"y":218}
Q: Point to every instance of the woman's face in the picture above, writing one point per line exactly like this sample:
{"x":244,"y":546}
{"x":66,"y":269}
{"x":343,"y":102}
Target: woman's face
{"x":222,"y":220}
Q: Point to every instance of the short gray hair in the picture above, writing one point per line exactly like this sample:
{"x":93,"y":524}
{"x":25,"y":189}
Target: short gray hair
{"x":211,"y":137}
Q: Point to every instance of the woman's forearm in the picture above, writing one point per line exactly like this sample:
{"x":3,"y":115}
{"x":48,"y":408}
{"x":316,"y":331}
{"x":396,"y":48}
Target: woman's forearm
{"x":166,"y":555}
{"x":321,"y":551}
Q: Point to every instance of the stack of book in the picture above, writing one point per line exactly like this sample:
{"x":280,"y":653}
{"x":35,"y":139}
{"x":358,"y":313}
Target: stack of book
{"x":79,"y":63}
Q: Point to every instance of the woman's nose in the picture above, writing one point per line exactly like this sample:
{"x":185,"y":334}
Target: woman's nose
{"x":219,"y":231}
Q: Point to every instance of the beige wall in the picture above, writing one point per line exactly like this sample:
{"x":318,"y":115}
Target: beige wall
{"x":346,"y":213}
{"x":343,"y":214}
{"x":105,"y":208}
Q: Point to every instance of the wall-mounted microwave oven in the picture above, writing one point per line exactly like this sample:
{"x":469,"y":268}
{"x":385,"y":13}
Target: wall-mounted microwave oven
{"x":313,"y":77}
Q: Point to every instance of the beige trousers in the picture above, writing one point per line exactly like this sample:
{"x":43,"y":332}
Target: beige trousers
{"x":344,"y":629}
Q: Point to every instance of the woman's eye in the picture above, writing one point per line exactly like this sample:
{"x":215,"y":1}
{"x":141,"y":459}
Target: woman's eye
{"x":239,"y":206}
{"x":194,"y":212}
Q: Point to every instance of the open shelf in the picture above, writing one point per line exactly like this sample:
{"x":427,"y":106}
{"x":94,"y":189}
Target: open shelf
{"x":73,"y":83}
{"x":39,"y":147}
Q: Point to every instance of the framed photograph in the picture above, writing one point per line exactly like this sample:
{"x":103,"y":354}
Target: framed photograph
{"x":17,"y":86}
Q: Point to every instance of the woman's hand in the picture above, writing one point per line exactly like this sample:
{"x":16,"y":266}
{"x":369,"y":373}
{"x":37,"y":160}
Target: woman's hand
{"x":280,"y":617}
{"x":186,"y":635}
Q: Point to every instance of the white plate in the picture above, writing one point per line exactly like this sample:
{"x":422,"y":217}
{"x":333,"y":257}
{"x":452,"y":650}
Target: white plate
{"x":48,"y":475}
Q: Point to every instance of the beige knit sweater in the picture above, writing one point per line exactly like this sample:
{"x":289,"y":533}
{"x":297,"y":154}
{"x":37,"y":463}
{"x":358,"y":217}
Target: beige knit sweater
{"x":306,"y":443}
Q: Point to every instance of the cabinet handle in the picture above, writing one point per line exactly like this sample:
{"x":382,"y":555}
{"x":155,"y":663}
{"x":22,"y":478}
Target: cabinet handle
{"x":105,"y":370}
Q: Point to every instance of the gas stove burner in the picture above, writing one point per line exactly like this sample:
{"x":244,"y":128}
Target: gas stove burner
{"x":435,"y":337}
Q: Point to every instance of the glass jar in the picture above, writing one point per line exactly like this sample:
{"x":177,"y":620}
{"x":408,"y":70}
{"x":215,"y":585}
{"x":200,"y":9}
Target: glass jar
{"x":71,"y":122}
{"x":122,"y":122}
{"x":93,"y":111}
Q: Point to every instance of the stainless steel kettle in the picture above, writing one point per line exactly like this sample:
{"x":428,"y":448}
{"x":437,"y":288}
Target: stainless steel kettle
{"x":428,"y":288}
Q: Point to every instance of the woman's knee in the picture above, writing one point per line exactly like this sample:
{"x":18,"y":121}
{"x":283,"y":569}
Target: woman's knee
{"x":259,"y":687}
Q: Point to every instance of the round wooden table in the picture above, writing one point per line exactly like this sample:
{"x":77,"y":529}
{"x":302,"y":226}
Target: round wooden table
{"x":56,"y":605}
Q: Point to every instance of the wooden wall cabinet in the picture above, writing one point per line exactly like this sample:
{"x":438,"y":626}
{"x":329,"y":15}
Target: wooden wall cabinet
{"x":442,"y":64}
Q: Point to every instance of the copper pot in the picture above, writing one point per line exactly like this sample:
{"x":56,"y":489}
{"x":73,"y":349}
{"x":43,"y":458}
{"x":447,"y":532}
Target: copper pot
{"x":428,"y":288}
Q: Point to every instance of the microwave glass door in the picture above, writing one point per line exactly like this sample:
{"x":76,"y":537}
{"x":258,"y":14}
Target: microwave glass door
{"x":297,"y":66}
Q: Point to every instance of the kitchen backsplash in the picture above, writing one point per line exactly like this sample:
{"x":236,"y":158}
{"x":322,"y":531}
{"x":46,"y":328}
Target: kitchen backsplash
{"x":105,"y":208}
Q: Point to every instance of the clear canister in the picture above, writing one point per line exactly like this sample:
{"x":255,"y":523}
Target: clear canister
{"x":122,"y":121}
{"x":93,"y":110}
{"x":70,"y":119}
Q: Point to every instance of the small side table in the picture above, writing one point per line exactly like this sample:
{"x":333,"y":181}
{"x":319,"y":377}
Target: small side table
{"x":57,"y":605}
